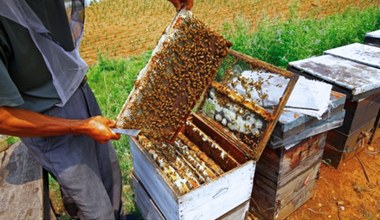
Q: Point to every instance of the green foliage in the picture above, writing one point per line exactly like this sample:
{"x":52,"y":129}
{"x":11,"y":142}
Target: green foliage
{"x":11,"y":140}
{"x":112,"y":80}
{"x":280,"y":42}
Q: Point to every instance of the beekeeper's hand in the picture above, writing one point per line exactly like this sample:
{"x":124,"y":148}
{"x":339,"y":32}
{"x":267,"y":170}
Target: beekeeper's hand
{"x":179,"y":4}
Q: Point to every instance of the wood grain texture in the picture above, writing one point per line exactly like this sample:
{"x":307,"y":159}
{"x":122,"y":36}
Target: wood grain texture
{"x":221,"y":195}
{"x":144,"y":202}
{"x":341,"y":147}
{"x":359,"y":53}
{"x":351,"y":78}
{"x":150,"y":211}
{"x":373,"y":38}
{"x":290,"y":124}
{"x":359,"y":113}
{"x":21,"y":185}
{"x":284,"y":179}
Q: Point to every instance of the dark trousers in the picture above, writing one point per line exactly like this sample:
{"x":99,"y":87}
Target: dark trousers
{"x":87,"y":172}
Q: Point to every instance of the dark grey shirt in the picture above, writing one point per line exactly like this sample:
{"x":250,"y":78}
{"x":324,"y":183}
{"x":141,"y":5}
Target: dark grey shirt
{"x":25,"y":81}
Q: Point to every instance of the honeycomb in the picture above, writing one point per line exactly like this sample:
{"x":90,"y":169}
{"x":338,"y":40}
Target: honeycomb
{"x":182,"y":66}
{"x":183,"y":163}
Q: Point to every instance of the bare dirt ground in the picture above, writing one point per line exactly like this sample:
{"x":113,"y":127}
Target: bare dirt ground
{"x":351,"y":192}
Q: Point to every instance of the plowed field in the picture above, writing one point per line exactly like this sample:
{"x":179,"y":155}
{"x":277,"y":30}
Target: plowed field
{"x":120,"y":28}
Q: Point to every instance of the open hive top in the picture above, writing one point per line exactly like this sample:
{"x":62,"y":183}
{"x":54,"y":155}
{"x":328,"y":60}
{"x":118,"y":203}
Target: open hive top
{"x":182,"y":66}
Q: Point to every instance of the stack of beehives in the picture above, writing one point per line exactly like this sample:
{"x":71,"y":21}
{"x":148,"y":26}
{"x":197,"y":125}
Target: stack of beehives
{"x":196,"y":164}
{"x":355,"y":71}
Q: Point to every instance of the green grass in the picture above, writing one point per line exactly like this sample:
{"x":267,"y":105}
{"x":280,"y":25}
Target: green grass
{"x":276,"y":42}
{"x":280,"y":42}
{"x":112,"y":80}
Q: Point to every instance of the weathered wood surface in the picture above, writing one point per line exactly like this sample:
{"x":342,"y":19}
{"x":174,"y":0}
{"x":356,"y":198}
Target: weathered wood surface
{"x":21,"y":185}
{"x":285,"y":179}
{"x":155,"y":183}
{"x":351,"y":78}
{"x":212,"y":129}
{"x":361,"y":53}
{"x":290,"y":124}
{"x":278,"y":203}
{"x":222,"y":195}
{"x":359,"y":113}
{"x":288,"y":164}
{"x":238,"y":213}
{"x":335,"y":120}
{"x":341,"y":147}
{"x":144,"y":202}
{"x":150,"y":211}
{"x":373,"y":38}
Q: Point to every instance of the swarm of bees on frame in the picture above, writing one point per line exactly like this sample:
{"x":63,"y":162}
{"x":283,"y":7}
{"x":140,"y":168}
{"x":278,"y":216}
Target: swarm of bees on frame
{"x":174,"y":79}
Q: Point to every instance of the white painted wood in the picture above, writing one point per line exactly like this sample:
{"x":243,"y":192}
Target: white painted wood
{"x":351,"y":75}
{"x":209,"y":201}
{"x":149,"y":174}
{"x":146,"y":205}
{"x":361,"y":53}
{"x":238,"y":213}
{"x":150,"y":211}
{"x":374,"y":34}
{"x":214,"y":199}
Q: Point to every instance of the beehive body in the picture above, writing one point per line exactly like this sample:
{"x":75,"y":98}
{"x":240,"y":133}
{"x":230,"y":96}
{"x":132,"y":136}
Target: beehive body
{"x":354,"y":71}
{"x":209,"y":200}
{"x":149,"y":210}
{"x":286,"y":179}
{"x":373,"y":38}
{"x":287,"y":172}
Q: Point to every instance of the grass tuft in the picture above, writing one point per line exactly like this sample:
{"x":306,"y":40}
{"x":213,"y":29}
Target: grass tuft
{"x":280,"y":42}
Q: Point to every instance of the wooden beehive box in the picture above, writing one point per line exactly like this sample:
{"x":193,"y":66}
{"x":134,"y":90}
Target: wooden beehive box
{"x":373,"y":38}
{"x":149,"y":209}
{"x":360,"y":82}
{"x":287,"y":172}
{"x":289,"y":180}
{"x":212,"y":140}
{"x":175,"y":199}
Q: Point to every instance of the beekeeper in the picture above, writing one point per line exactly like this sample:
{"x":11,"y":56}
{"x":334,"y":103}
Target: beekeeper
{"x":45,"y":100}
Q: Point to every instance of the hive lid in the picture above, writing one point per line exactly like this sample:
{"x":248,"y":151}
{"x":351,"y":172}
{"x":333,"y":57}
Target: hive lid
{"x":361,"y":53}
{"x":294,"y":127}
{"x":290,"y":122}
{"x":373,"y":38}
{"x":351,"y":78}
{"x":236,"y":103}
{"x":183,"y":64}
{"x":373,"y":34}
